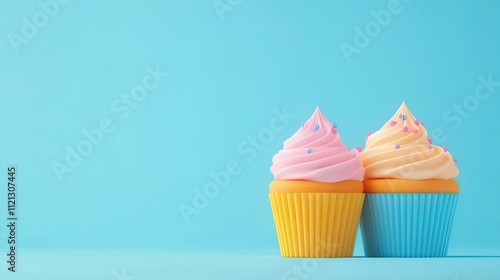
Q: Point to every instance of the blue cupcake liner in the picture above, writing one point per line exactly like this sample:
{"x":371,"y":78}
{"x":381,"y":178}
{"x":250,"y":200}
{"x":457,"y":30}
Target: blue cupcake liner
{"x":407,"y":225}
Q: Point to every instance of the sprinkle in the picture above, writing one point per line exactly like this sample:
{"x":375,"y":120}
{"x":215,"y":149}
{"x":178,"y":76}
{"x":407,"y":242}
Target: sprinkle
{"x":334,"y":125}
{"x":430,"y":147}
{"x":403,"y":117}
{"x":334,"y":131}
{"x":316,"y":127}
{"x":369,"y":133}
{"x":429,"y":140}
{"x":455,"y":161}
{"x":309,"y":151}
{"x":393,"y":123}
{"x":445,"y":148}
{"x":415,"y":130}
{"x":422,"y":123}
{"x":397,"y":146}
{"x":417,"y":122}
{"x":303,"y":124}
{"x":405,"y":129}
{"x":359,"y":149}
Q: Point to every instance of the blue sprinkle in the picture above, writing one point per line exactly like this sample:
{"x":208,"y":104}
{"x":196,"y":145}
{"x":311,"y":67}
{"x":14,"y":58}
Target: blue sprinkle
{"x":403,"y":117}
{"x":316,"y":127}
{"x":303,"y":124}
{"x":334,"y":125}
{"x":309,"y":151}
{"x":397,"y":146}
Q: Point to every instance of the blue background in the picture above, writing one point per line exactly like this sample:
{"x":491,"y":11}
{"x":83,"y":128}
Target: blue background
{"x":227,"y":73}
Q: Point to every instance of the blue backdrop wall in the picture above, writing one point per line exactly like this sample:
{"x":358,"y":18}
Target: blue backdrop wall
{"x":117,"y":114}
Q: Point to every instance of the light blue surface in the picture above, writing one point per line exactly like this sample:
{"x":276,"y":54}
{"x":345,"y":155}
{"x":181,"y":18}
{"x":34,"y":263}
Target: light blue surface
{"x":137,"y":265}
{"x":230,"y":76}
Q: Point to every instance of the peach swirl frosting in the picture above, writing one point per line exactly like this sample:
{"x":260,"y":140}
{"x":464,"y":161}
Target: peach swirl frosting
{"x":401,"y":149}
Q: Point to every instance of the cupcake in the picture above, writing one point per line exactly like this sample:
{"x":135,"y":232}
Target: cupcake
{"x":411,"y":194}
{"x":317,"y":194}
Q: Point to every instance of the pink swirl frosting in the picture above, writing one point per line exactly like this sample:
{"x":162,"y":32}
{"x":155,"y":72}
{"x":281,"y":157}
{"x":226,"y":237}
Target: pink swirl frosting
{"x":316,"y":153}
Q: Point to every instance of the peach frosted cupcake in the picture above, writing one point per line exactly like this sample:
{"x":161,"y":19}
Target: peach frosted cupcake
{"x":411,"y":194}
{"x":317,"y":194}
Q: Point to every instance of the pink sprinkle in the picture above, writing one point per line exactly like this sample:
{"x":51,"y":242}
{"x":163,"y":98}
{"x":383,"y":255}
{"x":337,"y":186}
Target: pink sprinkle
{"x":334,"y":131}
{"x":455,"y":161}
{"x":417,"y":122}
{"x":369,"y":133}
{"x":405,"y":129}
{"x":429,"y":140}
{"x":415,"y":130}
{"x":393,"y":123}
{"x":445,"y":148}
{"x":359,"y":149}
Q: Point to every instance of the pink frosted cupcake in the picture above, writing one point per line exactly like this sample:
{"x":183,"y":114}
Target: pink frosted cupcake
{"x":317,"y":194}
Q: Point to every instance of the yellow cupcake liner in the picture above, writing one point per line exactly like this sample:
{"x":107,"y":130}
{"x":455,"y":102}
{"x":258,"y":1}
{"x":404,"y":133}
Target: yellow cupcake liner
{"x":316,"y":225}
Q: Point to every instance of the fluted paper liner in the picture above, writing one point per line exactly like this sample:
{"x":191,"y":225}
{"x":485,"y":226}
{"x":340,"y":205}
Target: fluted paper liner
{"x":407,"y":225}
{"x":316,"y":225}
